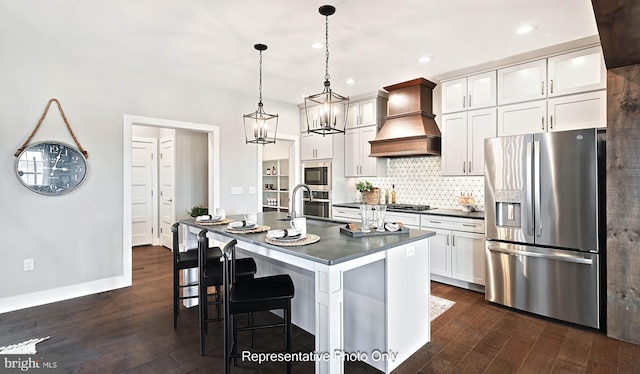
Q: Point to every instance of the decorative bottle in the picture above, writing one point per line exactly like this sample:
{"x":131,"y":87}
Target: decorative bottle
{"x":386,"y":196}
{"x":393,"y":194}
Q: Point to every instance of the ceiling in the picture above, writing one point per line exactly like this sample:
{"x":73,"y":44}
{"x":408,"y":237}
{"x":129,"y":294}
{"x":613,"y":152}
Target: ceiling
{"x":374,"y":42}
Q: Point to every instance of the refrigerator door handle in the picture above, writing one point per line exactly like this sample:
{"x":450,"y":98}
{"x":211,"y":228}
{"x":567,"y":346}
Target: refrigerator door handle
{"x":565,"y":258}
{"x":529,"y":193}
{"x":536,"y":186}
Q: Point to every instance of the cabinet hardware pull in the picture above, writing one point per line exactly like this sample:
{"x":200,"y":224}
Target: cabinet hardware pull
{"x":468,"y":225}
{"x":453,"y":240}
{"x":469,"y":166}
{"x":542,"y":119}
{"x":447,"y":239}
{"x":551,"y":87}
{"x":551,"y":121}
{"x":469,"y":101}
{"x":435,"y":221}
{"x":542,"y":88}
{"x":464,"y":166}
{"x":464,"y":100}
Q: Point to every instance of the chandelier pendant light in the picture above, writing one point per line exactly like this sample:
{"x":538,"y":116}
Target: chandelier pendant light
{"x":331,"y":115}
{"x":260,"y":123}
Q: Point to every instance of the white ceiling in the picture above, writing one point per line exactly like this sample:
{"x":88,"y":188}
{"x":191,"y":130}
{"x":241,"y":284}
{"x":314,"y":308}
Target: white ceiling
{"x":375,"y":42}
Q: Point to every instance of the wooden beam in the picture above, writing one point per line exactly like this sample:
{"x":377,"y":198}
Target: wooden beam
{"x":623,"y":204}
{"x":619,"y":31}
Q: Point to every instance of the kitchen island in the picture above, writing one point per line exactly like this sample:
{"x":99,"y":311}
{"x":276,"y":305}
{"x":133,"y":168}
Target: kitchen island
{"x":364,"y":298}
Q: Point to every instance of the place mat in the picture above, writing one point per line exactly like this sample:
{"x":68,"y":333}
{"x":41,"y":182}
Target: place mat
{"x":310,"y":239}
{"x":215,"y":223}
{"x":259,"y":228}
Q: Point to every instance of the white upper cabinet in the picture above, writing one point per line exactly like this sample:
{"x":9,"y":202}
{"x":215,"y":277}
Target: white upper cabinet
{"x":314,"y":146}
{"x":522,"y":118}
{"x":463,"y":136}
{"x":357,"y":148}
{"x":473,"y":92}
{"x":576,"y":72}
{"x":362,"y":113}
{"x":522,"y":82}
{"x":578,"y":111}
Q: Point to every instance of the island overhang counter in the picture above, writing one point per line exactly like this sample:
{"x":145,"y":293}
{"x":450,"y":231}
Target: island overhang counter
{"x":364,"y":298}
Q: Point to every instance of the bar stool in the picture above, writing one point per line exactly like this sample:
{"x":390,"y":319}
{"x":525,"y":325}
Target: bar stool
{"x":189,"y":260}
{"x":249,"y":295}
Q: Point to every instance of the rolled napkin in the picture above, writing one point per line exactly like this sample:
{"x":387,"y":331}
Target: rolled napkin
{"x":241,"y":224}
{"x":207,"y":217}
{"x":392,"y":226}
{"x":286,"y":233}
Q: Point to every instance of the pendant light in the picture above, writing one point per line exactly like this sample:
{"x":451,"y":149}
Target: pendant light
{"x":258,"y":122}
{"x":331,"y":107}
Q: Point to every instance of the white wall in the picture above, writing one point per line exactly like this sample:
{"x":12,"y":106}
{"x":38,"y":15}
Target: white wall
{"x":76,"y":239}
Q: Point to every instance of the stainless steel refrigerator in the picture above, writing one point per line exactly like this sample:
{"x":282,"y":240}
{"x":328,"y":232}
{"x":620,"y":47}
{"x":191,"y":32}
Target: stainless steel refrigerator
{"x":544,"y":206}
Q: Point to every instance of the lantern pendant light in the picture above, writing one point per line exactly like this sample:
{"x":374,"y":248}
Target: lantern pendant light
{"x":332,"y":107}
{"x":258,"y":123}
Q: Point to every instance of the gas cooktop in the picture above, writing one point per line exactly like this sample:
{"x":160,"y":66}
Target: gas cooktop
{"x":413,"y":207}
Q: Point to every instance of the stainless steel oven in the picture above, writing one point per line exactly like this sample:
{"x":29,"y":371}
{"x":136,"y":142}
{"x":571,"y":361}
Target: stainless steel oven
{"x":321,"y":205}
{"x":317,"y":175}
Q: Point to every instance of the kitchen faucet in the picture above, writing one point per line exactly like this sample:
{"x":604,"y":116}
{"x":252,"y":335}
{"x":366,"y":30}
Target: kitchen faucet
{"x":292,"y":211}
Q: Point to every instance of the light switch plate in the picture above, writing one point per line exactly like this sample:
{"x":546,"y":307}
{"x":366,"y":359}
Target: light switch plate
{"x":252,"y":190}
{"x":237,"y":190}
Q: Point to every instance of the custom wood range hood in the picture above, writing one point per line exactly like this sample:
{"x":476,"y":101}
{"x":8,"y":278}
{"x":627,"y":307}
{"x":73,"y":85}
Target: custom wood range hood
{"x":409,"y":129}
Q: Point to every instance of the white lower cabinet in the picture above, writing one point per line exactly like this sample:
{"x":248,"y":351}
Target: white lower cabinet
{"x":457,"y":249}
{"x":467,"y":257}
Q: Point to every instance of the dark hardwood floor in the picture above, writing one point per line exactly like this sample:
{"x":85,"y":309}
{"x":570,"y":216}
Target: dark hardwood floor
{"x":131,"y":330}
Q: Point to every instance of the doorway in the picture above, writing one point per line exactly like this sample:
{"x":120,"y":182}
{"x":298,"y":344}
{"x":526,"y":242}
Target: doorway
{"x":213,"y":168}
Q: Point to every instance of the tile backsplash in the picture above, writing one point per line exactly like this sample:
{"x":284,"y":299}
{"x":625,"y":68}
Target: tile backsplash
{"x":418,"y":181}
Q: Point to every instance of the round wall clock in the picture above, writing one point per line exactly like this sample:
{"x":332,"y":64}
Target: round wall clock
{"x":51,"y":167}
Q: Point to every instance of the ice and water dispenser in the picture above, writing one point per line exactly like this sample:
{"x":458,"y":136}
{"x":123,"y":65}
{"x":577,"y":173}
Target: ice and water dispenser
{"x":508,"y":206}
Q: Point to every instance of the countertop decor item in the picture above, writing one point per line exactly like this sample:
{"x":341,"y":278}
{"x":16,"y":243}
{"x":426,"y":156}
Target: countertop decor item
{"x":198,"y":210}
{"x":51,"y":167}
{"x":331,"y":104}
{"x":258,"y":122}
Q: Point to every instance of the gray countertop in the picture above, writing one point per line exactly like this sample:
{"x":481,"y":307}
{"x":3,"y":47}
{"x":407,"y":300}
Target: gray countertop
{"x":333,"y":247}
{"x":435,"y":212}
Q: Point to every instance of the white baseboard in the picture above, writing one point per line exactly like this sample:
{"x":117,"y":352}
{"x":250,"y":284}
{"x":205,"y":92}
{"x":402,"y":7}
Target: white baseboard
{"x":9,"y":304}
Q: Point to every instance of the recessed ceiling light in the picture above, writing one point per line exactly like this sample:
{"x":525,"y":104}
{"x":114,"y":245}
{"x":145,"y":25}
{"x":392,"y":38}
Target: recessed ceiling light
{"x":317,"y":45}
{"x":526,"y":29}
{"x":424,"y":59}
{"x":350,"y":81}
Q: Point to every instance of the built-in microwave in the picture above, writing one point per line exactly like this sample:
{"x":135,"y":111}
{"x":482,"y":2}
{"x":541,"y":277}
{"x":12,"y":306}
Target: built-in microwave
{"x":317,"y":175}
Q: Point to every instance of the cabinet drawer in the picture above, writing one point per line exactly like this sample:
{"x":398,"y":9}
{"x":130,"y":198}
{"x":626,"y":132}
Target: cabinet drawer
{"x":452,"y":223}
{"x":407,"y":219}
{"x":346,"y":214}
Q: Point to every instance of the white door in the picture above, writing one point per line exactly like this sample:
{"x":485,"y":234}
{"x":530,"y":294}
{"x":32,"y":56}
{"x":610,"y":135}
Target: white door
{"x":522,"y":82}
{"x":352,"y":153}
{"x":143,"y":167}
{"x":481,"y":124}
{"x":522,"y":118}
{"x":440,"y":252}
{"x":578,"y":111}
{"x":576,"y":72}
{"x":167,"y":173}
{"x":454,"y":95}
{"x":454,"y":144}
{"x":368,"y":115}
{"x":481,"y":90}
{"x":467,"y":257}
{"x":369,"y":165}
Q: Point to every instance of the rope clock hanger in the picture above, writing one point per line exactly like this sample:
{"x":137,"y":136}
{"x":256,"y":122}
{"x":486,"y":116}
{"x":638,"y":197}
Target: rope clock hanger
{"x":51,"y":167}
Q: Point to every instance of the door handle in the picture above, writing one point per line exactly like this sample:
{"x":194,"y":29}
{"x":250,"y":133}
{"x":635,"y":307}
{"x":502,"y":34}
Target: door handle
{"x":565,"y":257}
{"x":536,"y":184}
{"x":530,"y":186}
